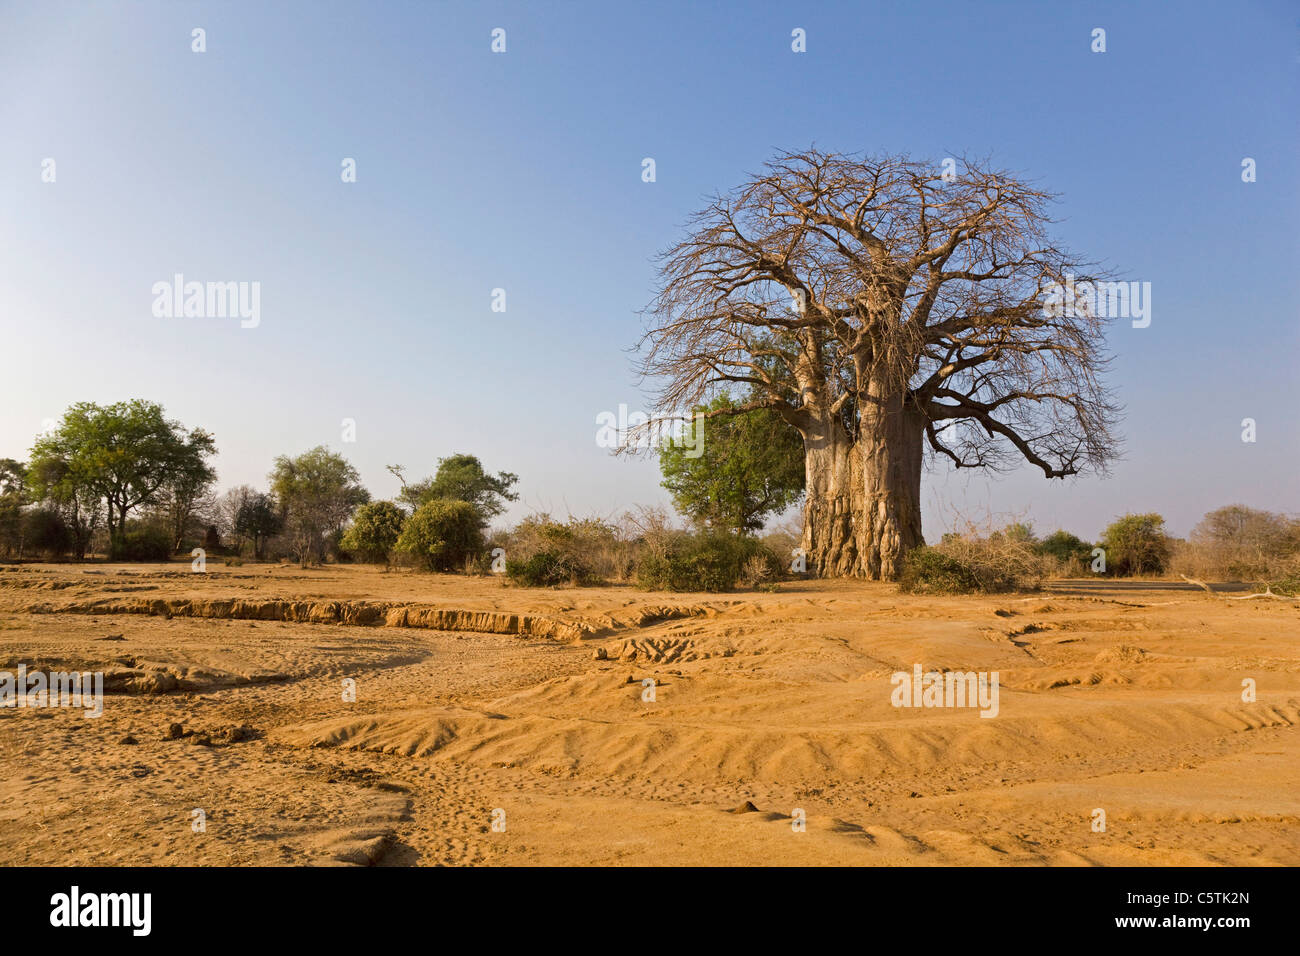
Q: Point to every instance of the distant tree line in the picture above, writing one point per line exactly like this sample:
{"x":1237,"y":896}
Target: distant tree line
{"x":1233,"y":543}
{"x":123,"y":472}
{"x":124,"y":481}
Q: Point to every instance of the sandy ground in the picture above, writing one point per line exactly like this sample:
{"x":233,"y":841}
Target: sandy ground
{"x":527,"y":707}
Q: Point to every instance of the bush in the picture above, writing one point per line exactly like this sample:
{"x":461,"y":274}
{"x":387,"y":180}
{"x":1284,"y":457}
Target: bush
{"x":1285,"y":582}
{"x":46,"y":533}
{"x":442,"y":534}
{"x":967,"y":561}
{"x":757,"y":572}
{"x":1137,"y":544}
{"x":1070,"y":550}
{"x":374,"y":531}
{"x":146,"y":543}
{"x":928,"y":570}
{"x":709,"y":561}
{"x":542,"y":552}
{"x":1238,"y":543}
{"x":783,"y":542}
{"x":547,"y":569}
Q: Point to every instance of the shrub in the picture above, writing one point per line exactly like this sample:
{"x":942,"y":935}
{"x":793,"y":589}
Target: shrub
{"x":1242,"y":544}
{"x":1280,"y":572}
{"x":928,"y":570}
{"x":543,"y":552}
{"x":442,"y":534}
{"x":1071,"y":554}
{"x":1019,"y":532}
{"x":374,"y":531}
{"x":547,"y":569}
{"x":146,"y":543}
{"x":758,"y":571}
{"x":46,"y":533}
{"x":1066,"y":548}
{"x":783,"y":542}
{"x":602,"y":549}
{"x":966,"y":561}
{"x":1285,"y":581}
{"x":708,"y":561}
{"x":1137,"y":544}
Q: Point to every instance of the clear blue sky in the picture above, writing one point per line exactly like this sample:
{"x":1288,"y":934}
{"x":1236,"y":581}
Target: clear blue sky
{"x":523,"y":171}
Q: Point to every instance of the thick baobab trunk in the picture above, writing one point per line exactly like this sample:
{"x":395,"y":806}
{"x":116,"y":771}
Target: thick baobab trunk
{"x":832,"y":502}
{"x":862,"y":511}
{"x":890,"y":447}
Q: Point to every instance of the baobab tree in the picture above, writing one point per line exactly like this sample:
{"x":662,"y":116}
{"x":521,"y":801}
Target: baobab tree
{"x":887,"y":309}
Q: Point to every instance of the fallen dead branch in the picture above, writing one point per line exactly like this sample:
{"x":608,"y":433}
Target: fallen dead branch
{"x":1267,"y":593}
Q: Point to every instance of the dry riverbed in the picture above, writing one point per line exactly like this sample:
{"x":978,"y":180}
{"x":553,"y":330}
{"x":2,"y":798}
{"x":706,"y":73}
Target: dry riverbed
{"x":476,"y":702}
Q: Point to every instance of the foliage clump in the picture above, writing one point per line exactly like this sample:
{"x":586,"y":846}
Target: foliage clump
{"x":705,"y":561}
{"x":969,"y":561}
{"x":1137,"y":544}
{"x":441,"y":534}
{"x":374,"y":532}
{"x":543,"y":552}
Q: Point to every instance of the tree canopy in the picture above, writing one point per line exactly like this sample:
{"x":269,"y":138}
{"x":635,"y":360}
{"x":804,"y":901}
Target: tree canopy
{"x":125,"y":455}
{"x":318,"y":491}
{"x":461,"y":478}
{"x":374,"y":531}
{"x":750,"y":467}
{"x":1136,"y":544}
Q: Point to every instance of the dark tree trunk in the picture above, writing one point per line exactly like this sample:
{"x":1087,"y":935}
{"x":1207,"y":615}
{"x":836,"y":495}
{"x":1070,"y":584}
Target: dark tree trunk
{"x":111,"y":524}
{"x":118,"y":542}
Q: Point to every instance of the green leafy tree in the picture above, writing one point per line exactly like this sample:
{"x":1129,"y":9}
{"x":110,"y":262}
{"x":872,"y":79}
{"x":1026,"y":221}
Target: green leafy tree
{"x":462,"y":478}
{"x":257,"y":519}
{"x":71,"y":496}
{"x":13,"y":496}
{"x":318,"y":492}
{"x":374,"y":531}
{"x":442,"y":534}
{"x":1066,"y":547}
{"x":751,"y":466}
{"x":124,"y":454}
{"x":1137,"y":544}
